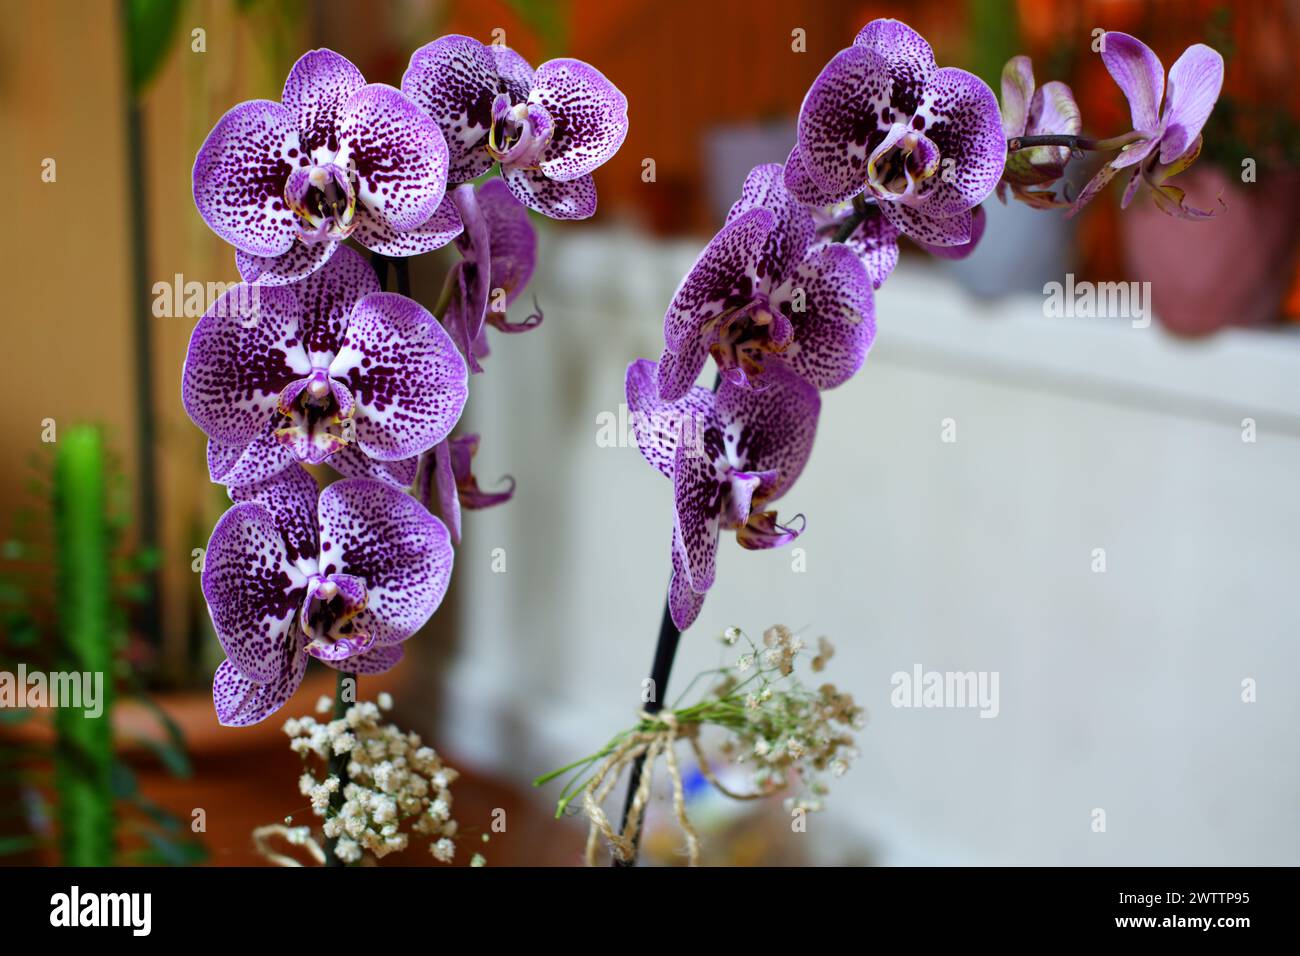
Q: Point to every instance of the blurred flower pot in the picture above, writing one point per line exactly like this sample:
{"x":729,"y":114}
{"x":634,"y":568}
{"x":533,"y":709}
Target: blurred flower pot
{"x":242,"y":777}
{"x":1022,"y":249}
{"x":1231,"y":270}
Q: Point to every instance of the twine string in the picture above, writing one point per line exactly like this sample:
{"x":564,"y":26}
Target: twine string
{"x":661,"y":733}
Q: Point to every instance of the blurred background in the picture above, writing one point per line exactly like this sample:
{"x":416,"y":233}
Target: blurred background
{"x":1120,"y":690}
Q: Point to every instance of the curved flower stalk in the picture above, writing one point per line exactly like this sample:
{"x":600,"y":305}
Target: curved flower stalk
{"x":498,"y":250}
{"x":1167,"y":140}
{"x":285,"y":183}
{"x":762,"y":294}
{"x":327,"y":364}
{"x":729,"y":454}
{"x":344,"y":577}
{"x":924,"y":142}
{"x":548,"y":128}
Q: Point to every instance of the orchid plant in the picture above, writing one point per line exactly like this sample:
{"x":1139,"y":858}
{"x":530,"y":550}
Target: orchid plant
{"x":888,"y":144}
{"x":310,"y":361}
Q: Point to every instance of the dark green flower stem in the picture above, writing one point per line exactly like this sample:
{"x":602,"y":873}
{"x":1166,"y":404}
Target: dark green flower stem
{"x":338,"y":763}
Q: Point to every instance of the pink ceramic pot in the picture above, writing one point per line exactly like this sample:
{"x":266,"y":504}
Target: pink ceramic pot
{"x":1230,"y":270}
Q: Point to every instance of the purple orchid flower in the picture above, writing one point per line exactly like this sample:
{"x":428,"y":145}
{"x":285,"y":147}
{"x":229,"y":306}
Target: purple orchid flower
{"x":762,"y":294}
{"x":549,"y":128}
{"x":1028,"y":110}
{"x":345,"y":578}
{"x":330,"y":367}
{"x":498,"y":255}
{"x":446,"y":478}
{"x":1170,"y":137}
{"x":285,"y":183}
{"x":925,"y":143}
{"x":729,"y":454}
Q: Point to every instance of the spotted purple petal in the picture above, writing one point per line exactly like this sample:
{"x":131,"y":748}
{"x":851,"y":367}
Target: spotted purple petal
{"x":407,"y":377}
{"x":239,"y":176}
{"x":244,"y":350}
{"x":315,"y":91}
{"x":574,"y":199}
{"x":300,"y":261}
{"x":454,"y":79}
{"x":875,"y":241}
{"x":514,"y":72}
{"x":290,"y":497}
{"x":838,"y":122}
{"x":378,"y":236}
{"x":659,"y":425}
{"x":351,"y":462}
{"x":798,"y":183}
{"x":684,"y":602}
{"x":837,"y":324}
{"x":961,"y":117}
{"x":978,"y":221}
{"x":771,"y":429}
{"x":678,"y":371}
{"x":793,"y":230}
{"x":921,"y":225}
{"x":397,"y":153}
{"x":262,"y":458}
{"x":590,"y":117}
{"x":698,"y":500}
{"x":241,"y":702}
{"x":722,"y":278}
{"x":327,"y":297}
{"x":388,"y":540}
{"x":253,"y":591}
{"x":907,"y":56}
{"x":377,"y":660}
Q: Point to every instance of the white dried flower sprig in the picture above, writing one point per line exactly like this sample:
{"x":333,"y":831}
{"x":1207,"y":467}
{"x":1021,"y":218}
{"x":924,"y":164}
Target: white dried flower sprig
{"x":775,"y":725}
{"x":396,"y":786}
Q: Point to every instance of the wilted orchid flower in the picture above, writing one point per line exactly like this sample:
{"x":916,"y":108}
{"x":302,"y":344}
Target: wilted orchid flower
{"x":323,"y":364}
{"x":549,"y":128}
{"x":285,"y":183}
{"x":761,"y":294}
{"x":446,"y":478}
{"x":729,"y":454}
{"x":345,"y":579}
{"x":498,"y":255}
{"x":1167,"y":140}
{"x":925,"y":143}
{"x":1029,"y":111}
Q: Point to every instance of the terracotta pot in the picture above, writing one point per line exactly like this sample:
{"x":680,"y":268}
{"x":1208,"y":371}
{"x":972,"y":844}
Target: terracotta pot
{"x":1230,"y":270}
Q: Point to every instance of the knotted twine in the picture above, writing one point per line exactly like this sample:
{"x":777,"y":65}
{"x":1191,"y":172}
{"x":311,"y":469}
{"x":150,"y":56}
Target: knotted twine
{"x":661,"y":733}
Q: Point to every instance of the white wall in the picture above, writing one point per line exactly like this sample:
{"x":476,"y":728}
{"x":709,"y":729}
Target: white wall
{"x":1118,"y":690}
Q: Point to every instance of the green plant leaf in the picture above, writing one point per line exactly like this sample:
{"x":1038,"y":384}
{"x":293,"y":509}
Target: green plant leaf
{"x":150,"y":27}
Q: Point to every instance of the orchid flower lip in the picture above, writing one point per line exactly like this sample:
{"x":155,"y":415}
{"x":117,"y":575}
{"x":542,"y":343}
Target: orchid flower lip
{"x":324,"y":200}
